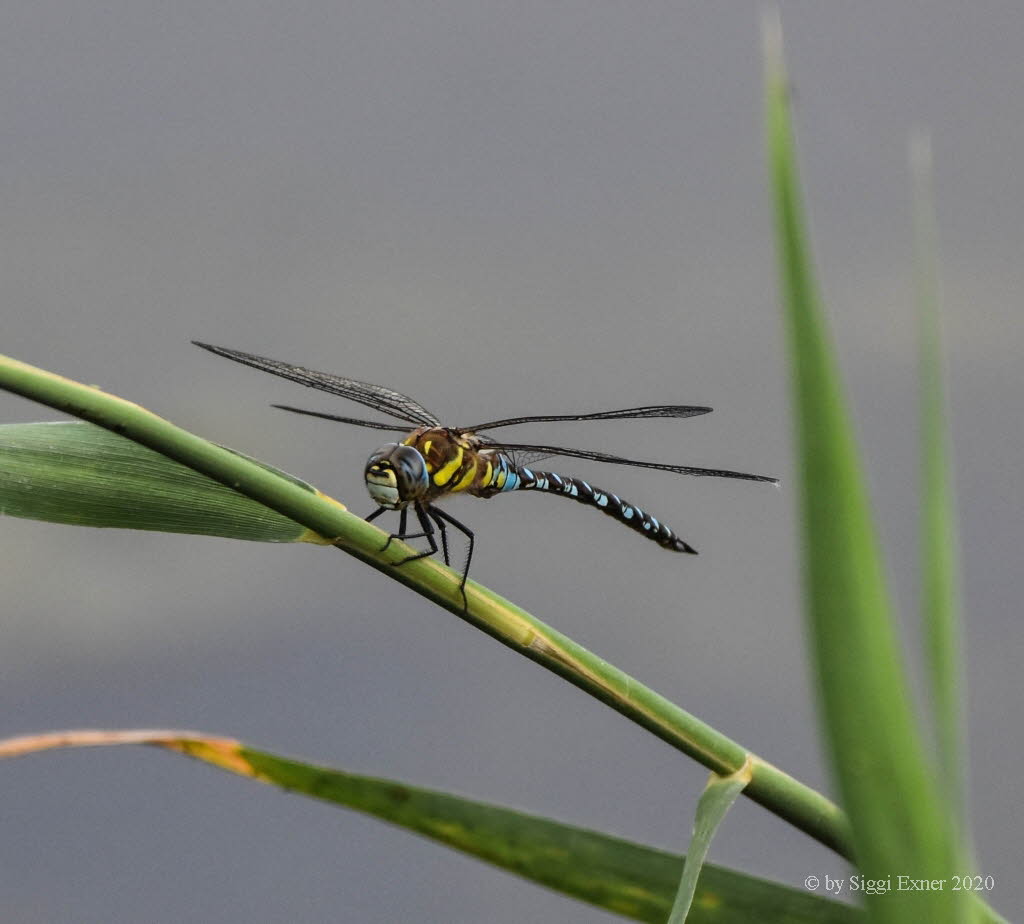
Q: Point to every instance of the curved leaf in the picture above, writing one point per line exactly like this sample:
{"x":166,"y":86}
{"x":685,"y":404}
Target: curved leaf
{"x":621,"y":876}
{"x":78,"y":473}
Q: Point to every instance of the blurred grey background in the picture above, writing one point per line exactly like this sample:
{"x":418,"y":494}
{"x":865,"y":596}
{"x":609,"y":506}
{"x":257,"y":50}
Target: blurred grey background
{"x":499,"y":209}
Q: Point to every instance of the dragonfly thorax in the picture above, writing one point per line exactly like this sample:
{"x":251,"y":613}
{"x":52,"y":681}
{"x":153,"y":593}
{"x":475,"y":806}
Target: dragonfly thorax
{"x":396,"y":476}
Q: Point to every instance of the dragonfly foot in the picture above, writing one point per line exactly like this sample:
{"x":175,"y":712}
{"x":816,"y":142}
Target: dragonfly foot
{"x":409,"y":558}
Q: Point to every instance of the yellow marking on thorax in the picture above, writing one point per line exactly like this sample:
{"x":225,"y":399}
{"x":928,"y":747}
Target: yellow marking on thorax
{"x":445,"y":473}
{"x":467,"y":479}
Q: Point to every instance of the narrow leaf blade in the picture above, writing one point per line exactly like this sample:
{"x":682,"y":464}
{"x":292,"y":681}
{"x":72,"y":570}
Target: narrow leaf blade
{"x":620,"y":876}
{"x":78,"y":473}
{"x":714,"y":804}
{"x":940,"y":617}
{"x":900,"y":824}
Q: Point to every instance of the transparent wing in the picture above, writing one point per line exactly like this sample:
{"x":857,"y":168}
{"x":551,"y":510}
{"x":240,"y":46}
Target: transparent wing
{"x":619,"y":460}
{"x":526,"y":458}
{"x":377,"y":397}
{"x":372,"y":424}
{"x":659,"y":410}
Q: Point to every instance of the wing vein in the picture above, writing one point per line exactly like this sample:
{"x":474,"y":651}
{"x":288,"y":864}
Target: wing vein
{"x":658,"y":410}
{"x":594,"y":456}
{"x":377,"y":397}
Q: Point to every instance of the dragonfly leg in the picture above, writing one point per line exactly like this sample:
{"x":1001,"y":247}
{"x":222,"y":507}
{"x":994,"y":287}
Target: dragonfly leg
{"x":440,"y":518}
{"x":403,"y":518}
{"x":402,"y":534}
{"x":442,"y":530}
{"x":428,"y":534}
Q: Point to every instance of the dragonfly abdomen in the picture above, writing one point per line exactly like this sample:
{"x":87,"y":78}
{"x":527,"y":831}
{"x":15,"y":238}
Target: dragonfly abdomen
{"x":611,"y":504}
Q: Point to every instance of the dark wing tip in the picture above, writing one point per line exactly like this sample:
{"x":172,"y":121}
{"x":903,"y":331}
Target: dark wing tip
{"x":216,"y":350}
{"x":679,"y":546}
{"x":219,"y":350}
{"x":743,"y":476}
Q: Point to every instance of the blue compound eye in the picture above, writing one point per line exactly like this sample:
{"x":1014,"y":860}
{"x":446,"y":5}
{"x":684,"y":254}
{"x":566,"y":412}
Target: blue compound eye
{"x":380,"y":455}
{"x":396,"y":475}
{"x":411,"y":472}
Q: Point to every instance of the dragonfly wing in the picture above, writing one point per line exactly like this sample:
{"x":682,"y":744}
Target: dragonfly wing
{"x":595,"y":456}
{"x":524,"y":458}
{"x":658,"y":410}
{"x":372,"y":424}
{"x":377,"y":397}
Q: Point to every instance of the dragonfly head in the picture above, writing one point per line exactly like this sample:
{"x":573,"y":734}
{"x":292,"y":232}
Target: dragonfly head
{"x":396,"y":475}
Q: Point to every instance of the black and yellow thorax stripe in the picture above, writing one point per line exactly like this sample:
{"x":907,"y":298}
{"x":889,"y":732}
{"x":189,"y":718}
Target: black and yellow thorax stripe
{"x":460,"y":463}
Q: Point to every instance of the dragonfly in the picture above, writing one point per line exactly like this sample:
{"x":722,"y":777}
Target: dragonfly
{"x":433,"y":461}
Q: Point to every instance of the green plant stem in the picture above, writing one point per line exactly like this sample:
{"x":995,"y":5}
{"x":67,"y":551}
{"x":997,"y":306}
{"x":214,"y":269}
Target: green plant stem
{"x":770,"y":787}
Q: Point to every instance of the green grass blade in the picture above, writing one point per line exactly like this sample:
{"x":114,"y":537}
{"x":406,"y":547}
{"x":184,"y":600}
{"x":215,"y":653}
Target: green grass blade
{"x":900,"y":824}
{"x":940,"y":617}
{"x":627,"y":878}
{"x":77,"y":473}
{"x":769,"y":786}
{"x":714,"y":804}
